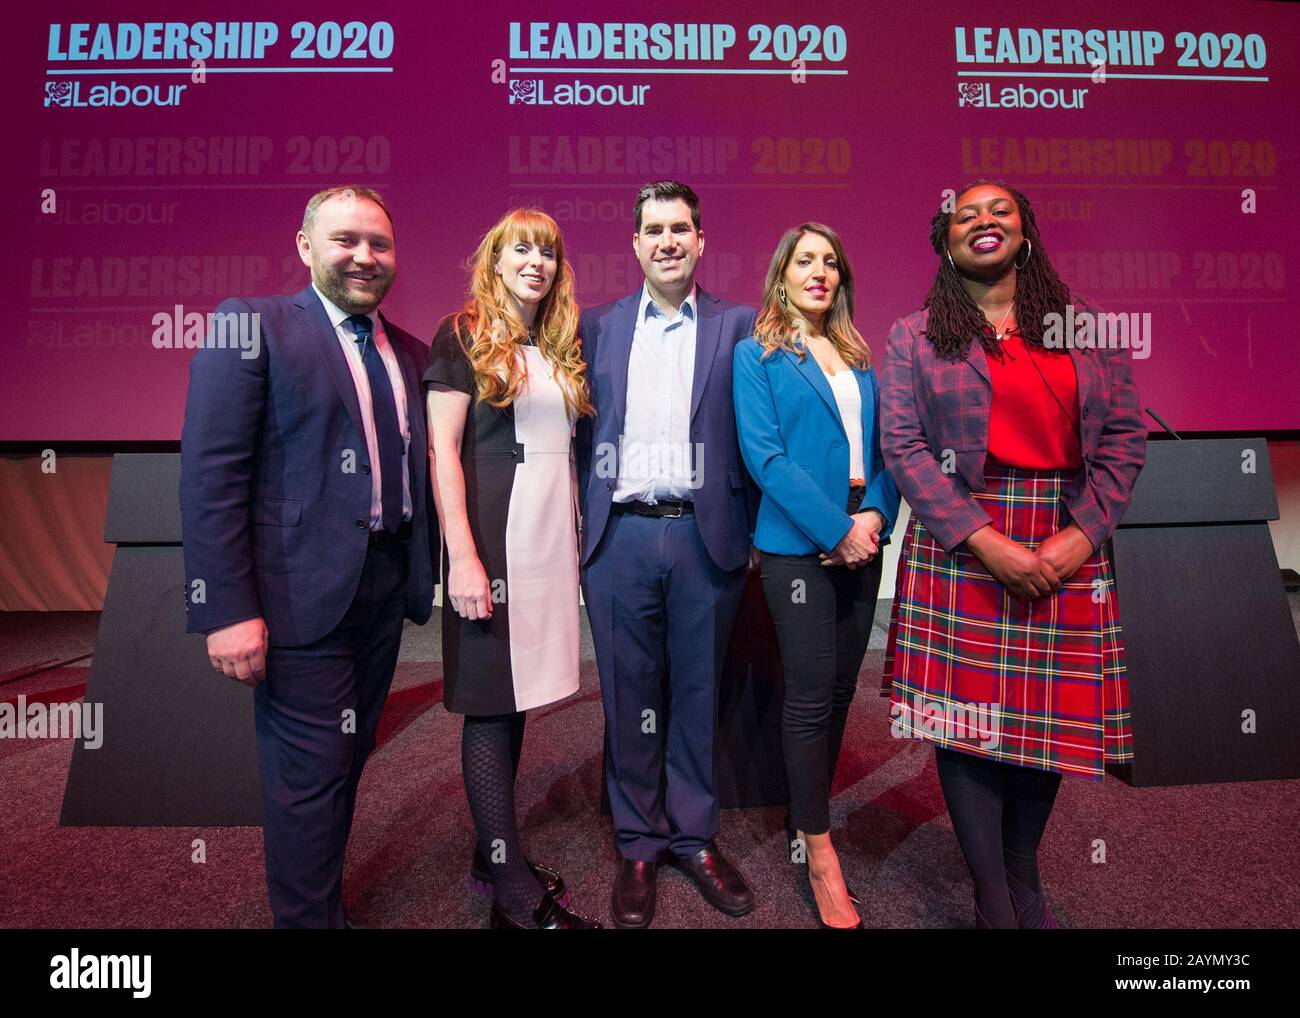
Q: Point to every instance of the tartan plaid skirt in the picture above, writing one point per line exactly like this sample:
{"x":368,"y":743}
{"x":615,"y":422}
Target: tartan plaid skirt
{"x":1041,"y":684}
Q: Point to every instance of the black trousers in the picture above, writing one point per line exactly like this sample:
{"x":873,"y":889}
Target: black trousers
{"x":823,"y":617}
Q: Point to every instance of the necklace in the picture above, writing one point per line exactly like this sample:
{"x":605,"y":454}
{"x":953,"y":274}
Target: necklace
{"x":998,"y":331}
{"x":828,"y":368}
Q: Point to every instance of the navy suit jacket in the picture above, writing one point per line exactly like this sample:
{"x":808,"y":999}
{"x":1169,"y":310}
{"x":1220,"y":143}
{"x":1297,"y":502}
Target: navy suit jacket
{"x":726,"y":499}
{"x":796,"y":448}
{"x":273,"y":521}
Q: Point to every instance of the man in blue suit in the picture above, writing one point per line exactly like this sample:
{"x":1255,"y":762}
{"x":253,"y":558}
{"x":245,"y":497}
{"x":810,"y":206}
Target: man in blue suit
{"x":665,"y":544}
{"x":308,"y":534}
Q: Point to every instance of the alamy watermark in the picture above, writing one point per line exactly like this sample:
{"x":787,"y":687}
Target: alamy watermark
{"x":1098,"y":330}
{"x":974,"y":723}
{"x":179,"y":329}
{"x":23,"y":720}
{"x":77,"y":971}
{"x":651,"y":461}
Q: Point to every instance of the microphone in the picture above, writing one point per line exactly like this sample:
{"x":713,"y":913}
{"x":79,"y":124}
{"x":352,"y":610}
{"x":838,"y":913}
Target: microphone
{"x":1161,"y":421}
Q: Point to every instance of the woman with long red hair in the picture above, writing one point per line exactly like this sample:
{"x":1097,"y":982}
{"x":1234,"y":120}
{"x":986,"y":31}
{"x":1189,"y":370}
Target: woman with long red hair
{"x":505,"y":387}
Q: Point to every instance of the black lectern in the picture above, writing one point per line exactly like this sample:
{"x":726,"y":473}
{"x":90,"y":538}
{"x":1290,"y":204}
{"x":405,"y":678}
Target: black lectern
{"x":751,"y":762}
{"x":1213,"y":659}
{"x":178,"y":745}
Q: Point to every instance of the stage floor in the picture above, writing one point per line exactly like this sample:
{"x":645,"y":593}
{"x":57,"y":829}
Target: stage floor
{"x":1197,"y":856}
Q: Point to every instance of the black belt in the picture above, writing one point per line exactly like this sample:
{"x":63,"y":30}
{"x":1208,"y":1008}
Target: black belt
{"x":384,"y":537}
{"x":665,"y":507}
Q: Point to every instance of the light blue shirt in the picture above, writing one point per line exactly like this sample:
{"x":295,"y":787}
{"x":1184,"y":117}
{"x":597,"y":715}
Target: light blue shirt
{"x":655,"y":457}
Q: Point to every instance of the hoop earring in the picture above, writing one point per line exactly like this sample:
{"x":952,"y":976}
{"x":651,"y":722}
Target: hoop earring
{"x":950,"y":261}
{"x":1029,"y":244}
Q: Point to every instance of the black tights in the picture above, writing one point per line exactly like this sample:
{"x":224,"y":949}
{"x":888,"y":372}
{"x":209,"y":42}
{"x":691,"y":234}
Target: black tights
{"x":999,"y":812}
{"x":489,"y":757}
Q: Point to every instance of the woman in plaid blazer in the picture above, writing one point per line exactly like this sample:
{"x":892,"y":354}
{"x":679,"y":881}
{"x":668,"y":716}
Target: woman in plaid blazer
{"x":1018,"y":460}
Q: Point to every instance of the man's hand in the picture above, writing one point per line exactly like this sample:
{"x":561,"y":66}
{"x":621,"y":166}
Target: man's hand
{"x":240,"y":651}
{"x":1066,"y":550}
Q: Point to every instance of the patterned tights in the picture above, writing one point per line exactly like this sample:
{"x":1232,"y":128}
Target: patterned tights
{"x":489,"y":757}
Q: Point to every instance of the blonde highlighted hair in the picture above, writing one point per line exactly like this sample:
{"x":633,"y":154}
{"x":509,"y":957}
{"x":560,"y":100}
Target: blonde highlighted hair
{"x":491,"y":331}
{"x":780,"y":325}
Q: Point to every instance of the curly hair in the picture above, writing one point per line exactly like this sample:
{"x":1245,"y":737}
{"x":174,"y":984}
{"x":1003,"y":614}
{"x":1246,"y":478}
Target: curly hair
{"x":491,"y":331}
{"x":955,"y":320}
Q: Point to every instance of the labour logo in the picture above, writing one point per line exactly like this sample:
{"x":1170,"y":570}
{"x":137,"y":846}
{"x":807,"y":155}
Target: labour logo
{"x":58,"y":93}
{"x":970,"y":93}
{"x":523,"y":92}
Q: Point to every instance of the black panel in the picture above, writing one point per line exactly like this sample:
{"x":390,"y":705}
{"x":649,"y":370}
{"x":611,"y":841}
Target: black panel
{"x":144,"y":499}
{"x":1208,"y":634}
{"x":1203,"y":481}
{"x":178,"y":743}
{"x":751,"y":762}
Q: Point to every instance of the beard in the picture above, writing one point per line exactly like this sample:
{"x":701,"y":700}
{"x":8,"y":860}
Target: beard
{"x":334,"y":285}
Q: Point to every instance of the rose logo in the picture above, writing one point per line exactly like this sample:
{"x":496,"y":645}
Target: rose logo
{"x":58,"y":93}
{"x":523,"y":92}
{"x":42,"y":333}
{"x":970,"y":93}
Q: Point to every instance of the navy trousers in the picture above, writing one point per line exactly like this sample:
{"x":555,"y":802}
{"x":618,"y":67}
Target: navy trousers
{"x":659,"y":606}
{"x":316,"y":713}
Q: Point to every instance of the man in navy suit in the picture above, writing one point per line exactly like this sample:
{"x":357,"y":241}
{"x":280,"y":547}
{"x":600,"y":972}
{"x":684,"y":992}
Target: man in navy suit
{"x":307,"y":531}
{"x":665,"y":544}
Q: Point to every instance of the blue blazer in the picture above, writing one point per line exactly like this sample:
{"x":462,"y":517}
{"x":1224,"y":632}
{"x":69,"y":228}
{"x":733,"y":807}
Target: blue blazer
{"x":271,"y":520}
{"x":724,"y":502}
{"x":797,"y":450}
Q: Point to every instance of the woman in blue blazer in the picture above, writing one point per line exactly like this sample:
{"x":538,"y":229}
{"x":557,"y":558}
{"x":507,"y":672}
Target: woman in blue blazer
{"x":806,"y":416}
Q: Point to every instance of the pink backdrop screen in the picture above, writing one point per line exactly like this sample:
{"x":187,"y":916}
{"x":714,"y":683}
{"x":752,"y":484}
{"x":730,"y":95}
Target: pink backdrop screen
{"x":162,"y":162}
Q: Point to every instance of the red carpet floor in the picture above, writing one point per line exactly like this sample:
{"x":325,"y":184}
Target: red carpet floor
{"x":1199,"y":856}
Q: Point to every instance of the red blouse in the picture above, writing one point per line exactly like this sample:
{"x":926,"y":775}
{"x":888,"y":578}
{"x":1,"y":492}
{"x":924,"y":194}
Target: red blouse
{"x":1030,"y":425}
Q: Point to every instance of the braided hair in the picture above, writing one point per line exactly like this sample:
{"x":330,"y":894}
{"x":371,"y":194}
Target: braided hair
{"x":955,"y":319}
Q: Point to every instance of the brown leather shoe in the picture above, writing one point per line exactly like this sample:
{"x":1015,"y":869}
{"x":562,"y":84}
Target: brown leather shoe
{"x":721,"y":883}
{"x":633,"y":902}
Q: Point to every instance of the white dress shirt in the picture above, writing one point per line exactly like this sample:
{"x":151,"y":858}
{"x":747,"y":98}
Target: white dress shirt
{"x":347,"y":338}
{"x":655,"y":456}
